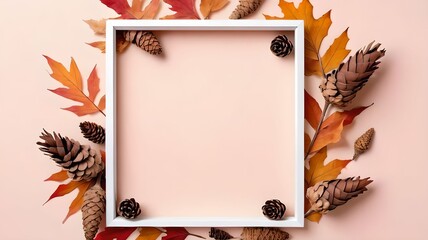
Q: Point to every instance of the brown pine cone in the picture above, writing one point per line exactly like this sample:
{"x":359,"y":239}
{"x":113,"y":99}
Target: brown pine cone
{"x":93,"y":210}
{"x":274,"y":209}
{"x":362,"y":143}
{"x":219,"y":234}
{"x":129,"y":208}
{"x":92,"y":131}
{"x":263,"y":233}
{"x":80,"y":161}
{"x":245,"y":8}
{"x":281,"y":46}
{"x":327,"y":195}
{"x":145,"y":40}
{"x":342,"y":84}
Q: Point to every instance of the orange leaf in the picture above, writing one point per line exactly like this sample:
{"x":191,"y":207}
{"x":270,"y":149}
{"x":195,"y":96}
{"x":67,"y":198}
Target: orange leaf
{"x":332,"y":127}
{"x":150,"y":11}
{"x":184,"y":9}
{"x":312,"y":111}
{"x":103,"y":156}
{"x":148,"y":233}
{"x":307,"y":142}
{"x":58,"y":177}
{"x":72,"y":80}
{"x":209,"y":6}
{"x":336,"y":53}
{"x":314,"y":217}
{"x":77,"y":203}
{"x":318,"y":172}
{"x":98,"y":26}
{"x":315,"y":32}
{"x":64,"y":189}
{"x":101,"y":45}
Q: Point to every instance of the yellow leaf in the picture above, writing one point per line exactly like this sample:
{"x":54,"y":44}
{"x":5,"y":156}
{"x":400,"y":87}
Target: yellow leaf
{"x":101,"y":45}
{"x":209,"y":6}
{"x":98,"y":26}
{"x":314,"y":217}
{"x":148,"y":233}
{"x":336,"y":53}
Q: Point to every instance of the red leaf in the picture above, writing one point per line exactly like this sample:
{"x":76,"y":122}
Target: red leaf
{"x":77,"y":203}
{"x":120,"y":6}
{"x":312,"y":111}
{"x":119,"y":233}
{"x":58,"y":177}
{"x":72,"y":80}
{"x":175,"y":233}
{"x":185,"y":9}
{"x":332,"y":127}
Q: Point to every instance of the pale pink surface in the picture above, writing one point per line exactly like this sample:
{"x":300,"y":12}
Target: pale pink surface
{"x":394,"y":207}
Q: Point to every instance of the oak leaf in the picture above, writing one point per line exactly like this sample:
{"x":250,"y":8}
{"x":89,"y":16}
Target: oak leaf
{"x":178,"y":233}
{"x":318,"y":172}
{"x":118,"y":233}
{"x":209,"y":6}
{"x":148,"y":233}
{"x":72,"y":80}
{"x":60,"y":176}
{"x":184,"y":9}
{"x":64,"y":189}
{"x":315,"y":32}
{"x":331,"y":129}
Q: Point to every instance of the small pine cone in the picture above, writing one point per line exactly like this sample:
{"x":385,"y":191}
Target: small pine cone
{"x":263,"y":233}
{"x":145,"y":40}
{"x":362,"y":143}
{"x":327,"y":195}
{"x":80,"y":161}
{"x":342,"y":84}
{"x":274,"y":209}
{"x":92,"y":131}
{"x":129,"y":208}
{"x":245,"y":8}
{"x":281,"y":46}
{"x":219,"y":234}
{"x":92,"y":210}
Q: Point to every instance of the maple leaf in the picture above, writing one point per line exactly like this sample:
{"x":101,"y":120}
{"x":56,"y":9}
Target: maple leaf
{"x":149,"y":233}
{"x":72,"y":80}
{"x":60,"y":176}
{"x":118,"y":233}
{"x":332,"y":128}
{"x":184,"y":9}
{"x":318,"y":172}
{"x":315,"y":32}
{"x":178,"y":233}
{"x":64,"y":189}
{"x":209,"y":6}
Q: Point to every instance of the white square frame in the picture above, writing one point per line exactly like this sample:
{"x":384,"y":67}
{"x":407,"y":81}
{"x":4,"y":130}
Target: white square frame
{"x":297,"y":26}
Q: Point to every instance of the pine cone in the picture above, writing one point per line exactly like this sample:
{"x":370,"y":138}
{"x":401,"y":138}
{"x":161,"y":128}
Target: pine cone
{"x":92,"y":210}
{"x":92,"y":131}
{"x":80,"y":161}
{"x":261,"y":233}
{"x":281,"y":46}
{"x":327,"y":195}
{"x":342,"y":84}
{"x":362,"y":143}
{"x":129,"y":208}
{"x":245,"y":8}
{"x":219,"y":234}
{"x":274,"y":209}
{"x":145,"y":40}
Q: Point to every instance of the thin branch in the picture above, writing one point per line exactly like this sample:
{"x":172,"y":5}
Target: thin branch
{"x":324,"y":112}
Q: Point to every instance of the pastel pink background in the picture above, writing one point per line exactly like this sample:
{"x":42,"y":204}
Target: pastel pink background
{"x":393,"y":208}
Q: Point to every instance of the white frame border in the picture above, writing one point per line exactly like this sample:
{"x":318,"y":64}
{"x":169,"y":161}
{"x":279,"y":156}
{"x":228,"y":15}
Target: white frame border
{"x":112,"y":220}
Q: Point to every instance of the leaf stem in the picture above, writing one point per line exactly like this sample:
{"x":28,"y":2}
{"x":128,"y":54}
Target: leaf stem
{"x":324,"y":112}
{"x":309,"y":212}
{"x":195,"y":235}
{"x":322,"y":68}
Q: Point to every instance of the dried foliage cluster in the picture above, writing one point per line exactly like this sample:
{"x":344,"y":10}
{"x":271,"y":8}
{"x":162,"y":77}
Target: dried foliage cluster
{"x":82,"y":166}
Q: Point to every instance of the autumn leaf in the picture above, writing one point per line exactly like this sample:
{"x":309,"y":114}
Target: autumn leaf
{"x":60,"y":176}
{"x":307,"y":142}
{"x":118,"y":233}
{"x":148,"y":233}
{"x":209,"y":6}
{"x":72,"y":80}
{"x":98,"y":26}
{"x":178,"y":233}
{"x":184,"y":9}
{"x":64,"y":189}
{"x":315,"y":32}
{"x":331,"y":129}
{"x":312,"y":111}
{"x":318,"y":172}
{"x":101,"y":45}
